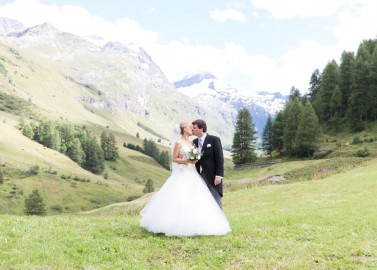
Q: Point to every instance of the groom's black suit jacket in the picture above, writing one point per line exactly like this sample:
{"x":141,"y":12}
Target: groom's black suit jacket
{"x":212,"y":161}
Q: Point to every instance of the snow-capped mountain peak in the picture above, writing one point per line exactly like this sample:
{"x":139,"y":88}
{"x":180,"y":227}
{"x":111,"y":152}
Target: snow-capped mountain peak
{"x":206,"y":83}
{"x":117,"y":46}
{"x":205,"y":87}
{"x":44,"y":29}
{"x":8,"y":26}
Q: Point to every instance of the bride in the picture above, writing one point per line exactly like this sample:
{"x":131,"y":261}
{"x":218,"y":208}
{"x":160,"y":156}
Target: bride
{"x":184,"y":206}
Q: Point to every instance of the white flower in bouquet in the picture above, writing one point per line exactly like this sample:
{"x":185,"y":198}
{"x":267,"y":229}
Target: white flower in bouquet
{"x":194,"y":153}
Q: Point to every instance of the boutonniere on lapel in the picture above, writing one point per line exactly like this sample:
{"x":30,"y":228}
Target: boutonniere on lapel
{"x":209,"y":145}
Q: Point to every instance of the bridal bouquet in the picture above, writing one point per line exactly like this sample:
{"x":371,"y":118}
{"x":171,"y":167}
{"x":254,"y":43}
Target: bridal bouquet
{"x":194,"y":153}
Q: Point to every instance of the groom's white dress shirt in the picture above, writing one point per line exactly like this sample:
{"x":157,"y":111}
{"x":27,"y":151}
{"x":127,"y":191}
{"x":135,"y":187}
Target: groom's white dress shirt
{"x":201,"y":140}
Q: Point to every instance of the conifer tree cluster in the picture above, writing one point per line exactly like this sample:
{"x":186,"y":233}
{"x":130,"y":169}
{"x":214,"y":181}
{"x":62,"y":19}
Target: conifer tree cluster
{"x":162,"y":157}
{"x":109,"y":146}
{"x":343,"y":96}
{"x":294,"y":131}
{"x":150,"y":149}
{"x":148,"y":186}
{"x":347,"y":93}
{"x":77,"y":143}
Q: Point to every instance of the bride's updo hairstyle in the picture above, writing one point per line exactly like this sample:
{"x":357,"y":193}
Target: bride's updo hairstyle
{"x":182,"y":126}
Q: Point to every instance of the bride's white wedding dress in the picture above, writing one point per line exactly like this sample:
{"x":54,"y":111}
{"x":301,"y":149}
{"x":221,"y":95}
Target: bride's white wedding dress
{"x":184,"y":206}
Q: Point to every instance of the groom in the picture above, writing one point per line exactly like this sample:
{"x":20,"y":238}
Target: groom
{"x":211,"y":164}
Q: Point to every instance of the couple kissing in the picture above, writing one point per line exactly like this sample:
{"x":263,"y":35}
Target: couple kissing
{"x":189,"y":203}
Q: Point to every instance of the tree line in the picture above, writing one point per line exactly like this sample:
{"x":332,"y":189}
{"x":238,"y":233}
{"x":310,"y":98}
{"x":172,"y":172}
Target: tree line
{"x":345,"y":95}
{"x":342,"y":96}
{"x":293,"y":133}
{"x":150,"y":149}
{"x":75,"y":142}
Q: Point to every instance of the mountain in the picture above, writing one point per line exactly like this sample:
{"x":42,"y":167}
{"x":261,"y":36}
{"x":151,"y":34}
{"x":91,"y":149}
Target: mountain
{"x":120,"y":83}
{"x":112,"y":87}
{"x":124,"y":80}
{"x":205,"y":88}
{"x":8,"y":26}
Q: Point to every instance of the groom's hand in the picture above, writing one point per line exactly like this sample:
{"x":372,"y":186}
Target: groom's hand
{"x":217,"y":180}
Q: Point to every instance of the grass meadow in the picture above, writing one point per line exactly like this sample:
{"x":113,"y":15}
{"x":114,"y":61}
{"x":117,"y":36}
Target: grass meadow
{"x":330,"y":223}
{"x":322,"y":215}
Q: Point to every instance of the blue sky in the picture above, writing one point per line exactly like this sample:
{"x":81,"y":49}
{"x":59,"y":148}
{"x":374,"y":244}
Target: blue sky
{"x":254,"y":45}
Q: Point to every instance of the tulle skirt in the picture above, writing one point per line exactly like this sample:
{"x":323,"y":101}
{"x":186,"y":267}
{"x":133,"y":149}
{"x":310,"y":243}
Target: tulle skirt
{"x":184,"y":206}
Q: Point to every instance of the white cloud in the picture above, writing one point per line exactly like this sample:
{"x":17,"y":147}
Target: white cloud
{"x":355,"y":21}
{"x":177,"y":57}
{"x":289,"y":9}
{"x":76,"y":20}
{"x":356,"y":25}
{"x":227,"y":15}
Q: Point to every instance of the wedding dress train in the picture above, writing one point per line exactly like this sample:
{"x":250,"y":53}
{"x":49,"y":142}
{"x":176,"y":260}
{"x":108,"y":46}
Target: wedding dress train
{"x":184,"y":206}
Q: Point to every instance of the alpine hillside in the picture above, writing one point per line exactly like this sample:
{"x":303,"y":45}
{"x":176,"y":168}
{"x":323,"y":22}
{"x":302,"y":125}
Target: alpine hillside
{"x":69,"y":77}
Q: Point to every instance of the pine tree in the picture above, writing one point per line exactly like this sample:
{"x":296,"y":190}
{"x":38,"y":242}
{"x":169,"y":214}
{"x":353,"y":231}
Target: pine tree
{"x":315,"y":84}
{"x":278,"y":133}
{"x":94,"y":157}
{"x":357,"y":110}
{"x":21,"y":122}
{"x":27,"y":131}
{"x":244,"y":140}
{"x":49,"y":135}
{"x":373,"y":85}
{"x":295,"y":92}
{"x":112,"y":153}
{"x":34,"y":204}
{"x":105,"y":144}
{"x":164,"y":160}
{"x":148,"y":186}
{"x":330,"y":80}
{"x":307,"y":132}
{"x":336,"y":108}
{"x":67,"y":135}
{"x":75,"y":151}
{"x":267,"y":137}
{"x":292,"y":115}
{"x":151,"y":149}
{"x":346,"y":79}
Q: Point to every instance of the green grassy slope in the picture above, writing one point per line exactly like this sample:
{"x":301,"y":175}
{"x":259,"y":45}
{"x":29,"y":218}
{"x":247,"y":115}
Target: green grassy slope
{"x":48,"y":92}
{"x":48,"y":85}
{"x":18,"y":154}
{"x":323,"y":224}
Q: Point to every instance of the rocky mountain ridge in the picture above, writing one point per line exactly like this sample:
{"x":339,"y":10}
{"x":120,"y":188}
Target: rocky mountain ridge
{"x":206,"y":88}
{"x":124,"y":83}
{"x":121,"y":82}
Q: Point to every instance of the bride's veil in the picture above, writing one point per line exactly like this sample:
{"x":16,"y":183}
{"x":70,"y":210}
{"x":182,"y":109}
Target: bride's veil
{"x":176,"y":134}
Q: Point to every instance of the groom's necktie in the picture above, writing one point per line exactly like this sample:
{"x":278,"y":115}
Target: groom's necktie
{"x":200,"y":143}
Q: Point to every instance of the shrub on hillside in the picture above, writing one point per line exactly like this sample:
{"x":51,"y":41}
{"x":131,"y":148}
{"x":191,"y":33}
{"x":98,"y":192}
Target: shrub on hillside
{"x":1,"y":177}
{"x":132,"y":197}
{"x":34,"y":170}
{"x":34,"y":204}
{"x":149,"y":186}
{"x":56,"y":208}
{"x":363,"y":152}
{"x":323,"y":152}
{"x":357,"y":140}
